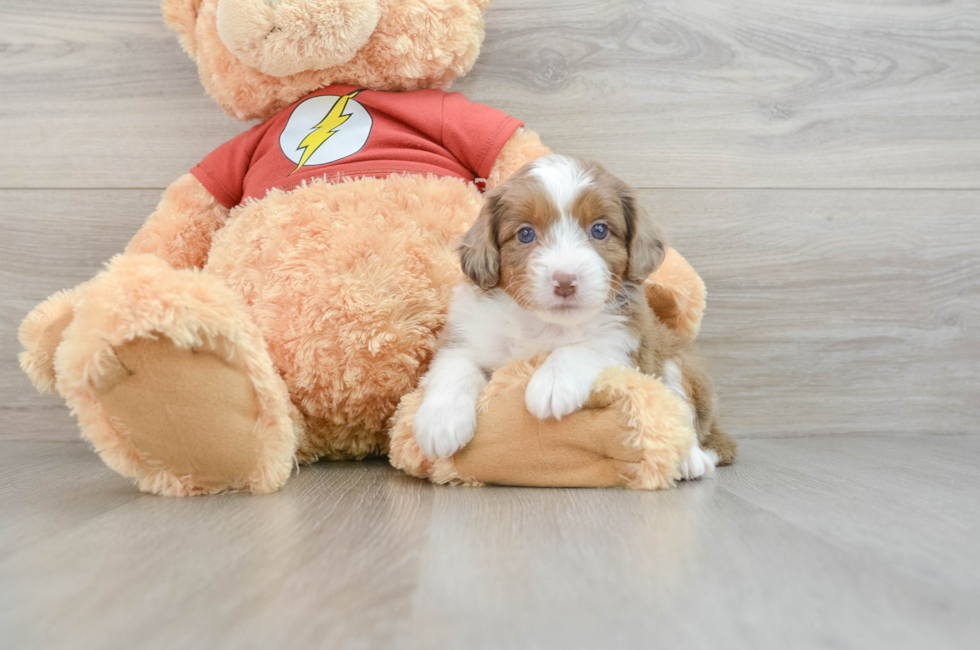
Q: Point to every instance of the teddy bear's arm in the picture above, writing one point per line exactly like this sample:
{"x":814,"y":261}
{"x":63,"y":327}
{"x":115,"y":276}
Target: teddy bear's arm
{"x":179,"y":231}
{"x":522,"y":147}
{"x":677,"y":294}
{"x":632,"y":433}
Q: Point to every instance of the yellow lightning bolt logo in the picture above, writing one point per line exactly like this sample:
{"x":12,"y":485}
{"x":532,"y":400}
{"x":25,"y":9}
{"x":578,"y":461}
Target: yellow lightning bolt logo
{"x":322,"y":131}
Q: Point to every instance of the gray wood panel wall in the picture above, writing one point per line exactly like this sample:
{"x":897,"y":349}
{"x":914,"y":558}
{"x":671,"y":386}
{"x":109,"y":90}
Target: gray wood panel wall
{"x":818,"y":162}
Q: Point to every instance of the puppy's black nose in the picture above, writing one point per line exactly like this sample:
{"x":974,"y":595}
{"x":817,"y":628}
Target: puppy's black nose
{"x":565,"y":284}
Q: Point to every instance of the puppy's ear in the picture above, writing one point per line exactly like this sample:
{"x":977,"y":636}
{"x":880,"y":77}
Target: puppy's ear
{"x":479,"y":252}
{"x":644,"y":238}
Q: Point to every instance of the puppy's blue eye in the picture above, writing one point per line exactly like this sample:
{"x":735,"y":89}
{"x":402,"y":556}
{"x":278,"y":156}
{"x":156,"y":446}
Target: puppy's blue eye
{"x":525,"y":235}
{"x":600,"y":231}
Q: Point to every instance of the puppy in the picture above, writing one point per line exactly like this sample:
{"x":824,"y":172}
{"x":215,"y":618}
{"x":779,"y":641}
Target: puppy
{"x":556,"y":260}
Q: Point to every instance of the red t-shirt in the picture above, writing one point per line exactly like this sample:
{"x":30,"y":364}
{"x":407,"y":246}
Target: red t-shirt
{"x":340,"y":131}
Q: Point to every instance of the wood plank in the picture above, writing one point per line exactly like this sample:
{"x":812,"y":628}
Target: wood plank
{"x":47,"y":488}
{"x":52,"y":240}
{"x":294,"y":549}
{"x":887,"y":514}
{"x":40,"y":418}
{"x":828,"y":312}
{"x":792,"y":547}
{"x":837,"y":312}
{"x":747,"y":93}
{"x":99,"y":95}
{"x":676,"y":93}
{"x":696,"y":567}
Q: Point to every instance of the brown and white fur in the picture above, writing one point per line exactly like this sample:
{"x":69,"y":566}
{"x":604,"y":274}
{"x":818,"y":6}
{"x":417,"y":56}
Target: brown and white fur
{"x":556,"y":261}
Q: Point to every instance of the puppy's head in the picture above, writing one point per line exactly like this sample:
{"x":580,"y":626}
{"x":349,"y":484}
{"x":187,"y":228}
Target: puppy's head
{"x":561,"y":237}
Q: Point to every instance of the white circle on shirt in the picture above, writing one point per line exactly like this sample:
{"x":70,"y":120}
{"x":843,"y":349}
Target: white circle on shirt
{"x":347,"y":137}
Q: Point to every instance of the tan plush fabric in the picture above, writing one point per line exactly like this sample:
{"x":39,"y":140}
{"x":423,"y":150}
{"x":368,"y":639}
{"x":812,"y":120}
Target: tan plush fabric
{"x":189,"y":410}
{"x":517,"y":449}
{"x":631,"y":434}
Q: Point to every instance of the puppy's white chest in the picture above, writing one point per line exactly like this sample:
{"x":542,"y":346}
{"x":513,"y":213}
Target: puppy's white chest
{"x":530,"y":341}
{"x":496,"y":330}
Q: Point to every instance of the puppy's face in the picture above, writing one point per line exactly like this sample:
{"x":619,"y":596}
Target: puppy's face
{"x":561,"y":237}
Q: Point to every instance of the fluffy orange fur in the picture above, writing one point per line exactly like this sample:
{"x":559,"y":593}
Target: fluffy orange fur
{"x":349,"y":285}
{"x":677,"y":294}
{"x":180,"y":230}
{"x":41,"y":334}
{"x":141,"y":296}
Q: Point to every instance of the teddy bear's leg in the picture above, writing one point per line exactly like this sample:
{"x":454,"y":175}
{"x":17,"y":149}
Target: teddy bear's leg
{"x":677,"y":294}
{"x":172,"y":383}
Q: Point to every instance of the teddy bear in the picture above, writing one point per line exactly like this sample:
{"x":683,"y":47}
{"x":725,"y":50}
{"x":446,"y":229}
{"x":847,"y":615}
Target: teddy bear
{"x":287,"y":293}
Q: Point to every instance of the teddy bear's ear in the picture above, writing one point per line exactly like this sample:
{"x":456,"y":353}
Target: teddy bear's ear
{"x":287,"y":37}
{"x":181,"y":16}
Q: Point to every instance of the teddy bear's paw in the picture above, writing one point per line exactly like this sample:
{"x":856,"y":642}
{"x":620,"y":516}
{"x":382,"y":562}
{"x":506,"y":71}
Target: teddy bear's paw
{"x":554,"y":392}
{"x":172,"y":382}
{"x":190,"y":418}
{"x":698,"y":463}
{"x":443,"y":426}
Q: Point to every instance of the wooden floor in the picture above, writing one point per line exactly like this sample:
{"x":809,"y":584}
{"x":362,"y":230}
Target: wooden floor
{"x":819,"y":164}
{"x":818,"y":542}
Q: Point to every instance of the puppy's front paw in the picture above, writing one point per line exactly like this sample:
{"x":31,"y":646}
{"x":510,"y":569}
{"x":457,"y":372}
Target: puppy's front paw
{"x":698,"y":463}
{"x":553,"y":393}
{"x":443,"y":427}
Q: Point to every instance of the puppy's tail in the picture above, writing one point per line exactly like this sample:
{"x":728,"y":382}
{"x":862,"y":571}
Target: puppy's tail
{"x":722,"y":444}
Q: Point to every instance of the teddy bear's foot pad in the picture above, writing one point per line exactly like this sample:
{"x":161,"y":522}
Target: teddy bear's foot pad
{"x":188,"y":412}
